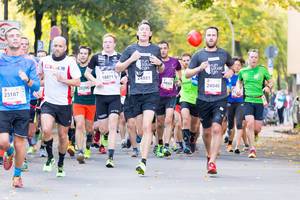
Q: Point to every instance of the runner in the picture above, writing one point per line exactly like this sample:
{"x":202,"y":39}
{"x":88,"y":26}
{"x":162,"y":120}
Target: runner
{"x":60,"y":72}
{"x":167,"y":101}
{"x":107,"y":91}
{"x":209,"y":65}
{"x":20,"y":77}
{"x":142,"y":60}
{"x":235,"y":109}
{"x":189,"y":111}
{"x":256,"y":80}
{"x":84,"y":108}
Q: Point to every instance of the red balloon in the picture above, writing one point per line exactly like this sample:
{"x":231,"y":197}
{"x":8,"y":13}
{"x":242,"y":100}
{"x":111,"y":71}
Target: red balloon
{"x":194,"y":38}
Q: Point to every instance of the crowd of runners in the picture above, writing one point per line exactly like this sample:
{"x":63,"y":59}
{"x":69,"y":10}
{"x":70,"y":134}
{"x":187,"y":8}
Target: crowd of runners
{"x":153,"y":102}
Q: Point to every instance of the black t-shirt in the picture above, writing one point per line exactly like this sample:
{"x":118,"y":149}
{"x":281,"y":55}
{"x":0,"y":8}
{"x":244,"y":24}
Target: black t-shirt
{"x":211,"y":84}
{"x":142,"y":75}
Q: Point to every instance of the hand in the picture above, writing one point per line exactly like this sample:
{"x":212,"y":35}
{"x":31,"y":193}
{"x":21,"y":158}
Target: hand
{"x":155,"y":61}
{"x":97,"y":83}
{"x":267,"y":89}
{"x":36,"y":94}
{"x":135,"y":56}
{"x":238,"y":92}
{"x":228,"y":74}
{"x":23,"y":76}
{"x":178,"y":82}
{"x":203,"y":66}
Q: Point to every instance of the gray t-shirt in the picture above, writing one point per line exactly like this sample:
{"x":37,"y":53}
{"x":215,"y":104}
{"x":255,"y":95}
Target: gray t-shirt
{"x":142,"y":75}
{"x":211,"y":84}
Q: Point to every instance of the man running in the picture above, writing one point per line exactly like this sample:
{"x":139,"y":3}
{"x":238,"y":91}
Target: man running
{"x":107,"y":91}
{"x":209,"y":63}
{"x":59,"y":72}
{"x":18,"y":77}
{"x":142,"y":60}
{"x":84,"y":108}
{"x":256,"y":80}
{"x":167,"y":101}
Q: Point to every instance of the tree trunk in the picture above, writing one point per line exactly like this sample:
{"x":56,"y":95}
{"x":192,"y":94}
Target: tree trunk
{"x":65,"y":27}
{"x":53,"y":18}
{"x":5,"y":9}
{"x":278,"y":77}
{"x":238,"y":51}
{"x":38,"y":28}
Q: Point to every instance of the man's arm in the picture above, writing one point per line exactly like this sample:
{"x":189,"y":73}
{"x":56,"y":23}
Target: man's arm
{"x":122,"y":66}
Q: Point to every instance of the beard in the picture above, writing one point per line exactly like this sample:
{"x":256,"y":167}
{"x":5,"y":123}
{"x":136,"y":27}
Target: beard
{"x":212,"y":45}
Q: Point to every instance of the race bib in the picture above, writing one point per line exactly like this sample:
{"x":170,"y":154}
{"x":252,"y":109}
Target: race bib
{"x":167,"y":83}
{"x":146,"y":77}
{"x":213,"y":86}
{"x":13,"y":95}
{"x":108,"y":77}
{"x":84,"y":89}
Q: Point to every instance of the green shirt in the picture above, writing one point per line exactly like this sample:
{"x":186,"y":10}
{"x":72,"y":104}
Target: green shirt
{"x":83,"y":95}
{"x":253,"y":82}
{"x":188,"y":92}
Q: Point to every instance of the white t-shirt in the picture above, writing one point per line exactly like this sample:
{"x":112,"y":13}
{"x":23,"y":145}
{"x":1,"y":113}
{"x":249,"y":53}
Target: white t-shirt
{"x":56,"y":92}
{"x":104,"y":66}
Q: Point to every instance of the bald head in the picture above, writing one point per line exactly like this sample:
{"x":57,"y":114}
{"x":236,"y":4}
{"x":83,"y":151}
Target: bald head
{"x":59,"y":46}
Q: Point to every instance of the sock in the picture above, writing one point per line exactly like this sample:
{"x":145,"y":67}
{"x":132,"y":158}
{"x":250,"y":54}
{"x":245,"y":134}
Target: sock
{"x":17,"y":172}
{"x":105,"y":136}
{"x":180,"y":144}
{"x":135,"y":149}
{"x":61,"y":159}
{"x":186,"y":136}
{"x":49,"y":145}
{"x":111,"y":153}
{"x":193,"y":137}
{"x":10,"y":151}
{"x":167,"y":145}
{"x":160,"y":142}
{"x":144,"y":161}
{"x":229,"y":142}
{"x":43,"y":146}
{"x":89,"y":140}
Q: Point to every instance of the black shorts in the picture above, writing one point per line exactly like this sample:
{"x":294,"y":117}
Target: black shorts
{"x":61,"y":113}
{"x":33,"y":104}
{"x":210,"y":112}
{"x":18,"y":120}
{"x":254,"y":109}
{"x":136,"y":104}
{"x":107,"y":104}
{"x":164,"y":103}
{"x":192,"y":108}
{"x":235,"y":111}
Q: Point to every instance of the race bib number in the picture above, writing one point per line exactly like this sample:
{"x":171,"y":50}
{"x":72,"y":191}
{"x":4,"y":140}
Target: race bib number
{"x":84,"y":89}
{"x":213,"y":86}
{"x":108,"y":77}
{"x":167,"y":83}
{"x":146,"y":77}
{"x":13,"y":95}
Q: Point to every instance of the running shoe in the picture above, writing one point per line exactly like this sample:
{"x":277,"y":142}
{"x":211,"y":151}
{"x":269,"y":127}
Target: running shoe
{"x":31,"y":150}
{"x":187,"y":150}
{"x":7,"y":161}
{"x":71,"y":150}
{"x":135,"y":153}
{"x":42,"y":153}
{"x":123,"y":144}
{"x":60,"y":172}
{"x":80,"y":158}
{"x":17,"y":182}
{"x":166,"y":151}
{"x":237,"y":151}
{"x":49,"y":165}
{"x":95,"y":145}
{"x":25,"y":166}
{"x":252,"y":153}
{"x":87,"y":153}
{"x":128,"y":143}
{"x":102,"y":149}
{"x":159,"y":151}
{"x":155,"y":149}
{"x":138,"y":139}
{"x":212,"y":168}
{"x":229,"y":148}
{"x":140,"y":168}
{"x":110,"y":163}
{"x":226,"y":138}
{"x":246,"y":148}
{"x":104,"y":140}
{"x":179,"y":150}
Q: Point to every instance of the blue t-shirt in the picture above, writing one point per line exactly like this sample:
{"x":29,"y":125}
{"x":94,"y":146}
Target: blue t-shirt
{"x":231,"y":83}
{"x":15,"y":93}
